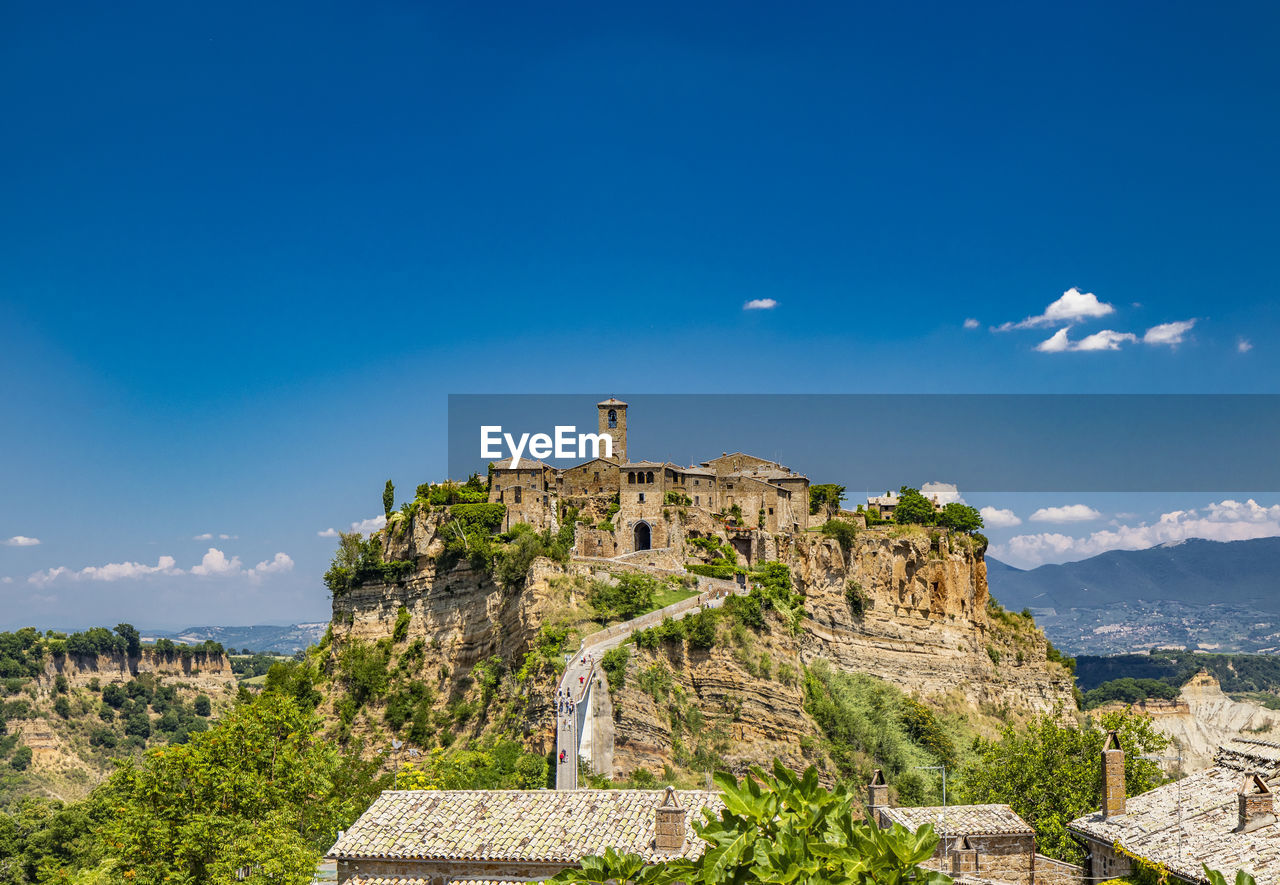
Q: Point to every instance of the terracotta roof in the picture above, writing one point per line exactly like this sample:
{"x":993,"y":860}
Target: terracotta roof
{"x":1194,"y":819}
{"x":611,"y":401}
{"x":552,"y":826}
{"x":962,"y":820}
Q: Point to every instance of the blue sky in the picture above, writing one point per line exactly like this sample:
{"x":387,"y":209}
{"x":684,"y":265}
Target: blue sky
{"x":246,"y":253}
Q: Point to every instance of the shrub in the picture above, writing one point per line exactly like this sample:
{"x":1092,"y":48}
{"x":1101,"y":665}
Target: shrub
{"x":994,"y":654}
{"x":629,"y":595}
{"x":614,"y":664}
{"x":842,"y":531}
{"x":21,"y":759}
{"x":202,"y":705}
{"x":401,"y":630}
{"x":855,"y":597}
{"x":363,"y":669}
{"x":62,"y":707}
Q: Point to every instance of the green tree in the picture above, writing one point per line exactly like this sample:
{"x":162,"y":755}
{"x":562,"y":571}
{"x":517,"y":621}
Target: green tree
{"x":132,"y":639}
{"x":201,"y":706}
{"x":263,"y":790}
{"x":1050,"y":772}
{"x":824,"y":495}
{"x":913,"y":508}
{"x":960,"y":518}
{"x":388,"y":498}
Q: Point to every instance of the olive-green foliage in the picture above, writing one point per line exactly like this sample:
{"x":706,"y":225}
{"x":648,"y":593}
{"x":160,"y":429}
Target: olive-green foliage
{"x":614,"y":664}
{"x":959,"y":517}
{"x":262,"y":789}
{"x":913,"y":508}
{"x":358,"y":561}
{"x":405,"y":703}
{"x":823,"y":495}
{"x":388,"y":498}
{"x":842,"y":531}
{"x":1236,"y":672}
{"x":487,"y":765}
{"x":677,"y":499}
{"x":857,"y":599}
{"x":362,"y":667}
{"x":523,"y":545}
{"x":1050,"y":771}
{"x":40,"y":837}
{"x":1128,"y":691}
{"x":474,"y":491}
{"x":629,"y":594}
{"x":771,"y":588}
{"x":780,"y":828}
{"x":868,"y":724}
{"x":400,"y":632}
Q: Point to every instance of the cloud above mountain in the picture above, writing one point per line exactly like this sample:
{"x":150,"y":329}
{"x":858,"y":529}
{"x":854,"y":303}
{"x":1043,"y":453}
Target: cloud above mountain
{"x":214,"y":564}
{"x":1226,"y":520}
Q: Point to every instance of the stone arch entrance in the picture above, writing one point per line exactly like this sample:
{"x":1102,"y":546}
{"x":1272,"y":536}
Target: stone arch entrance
{"x":643,"y":536}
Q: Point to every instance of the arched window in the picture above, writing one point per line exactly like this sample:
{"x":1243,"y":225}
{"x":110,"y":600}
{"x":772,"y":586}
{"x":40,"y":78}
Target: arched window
{"x":649,"y":476}
{"x":631,"y":478}
{"x":613,"y":418}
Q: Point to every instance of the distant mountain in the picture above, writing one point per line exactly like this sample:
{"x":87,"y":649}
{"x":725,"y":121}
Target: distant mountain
{"x":1195,"y":572}
{"x":262,"y":637}
{"x":1197,"y":594}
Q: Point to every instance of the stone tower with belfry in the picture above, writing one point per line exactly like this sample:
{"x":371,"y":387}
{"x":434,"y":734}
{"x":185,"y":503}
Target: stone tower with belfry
{"x":613,"y":421}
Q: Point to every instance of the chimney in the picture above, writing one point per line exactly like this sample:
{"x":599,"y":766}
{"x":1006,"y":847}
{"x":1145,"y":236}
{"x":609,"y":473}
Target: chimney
{"x":1112,"y":776}
{"x":877,"y":796}
{"x":963,"y":858}
{"x":669,"y":824}
{"x":1257,"y":808}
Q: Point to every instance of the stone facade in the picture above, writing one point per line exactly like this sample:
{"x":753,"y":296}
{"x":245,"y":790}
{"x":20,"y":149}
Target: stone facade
{"x":648,"y":493}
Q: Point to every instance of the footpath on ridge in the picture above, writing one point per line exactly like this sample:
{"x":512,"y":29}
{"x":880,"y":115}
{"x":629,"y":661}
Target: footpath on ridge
{"x":580,"y":672}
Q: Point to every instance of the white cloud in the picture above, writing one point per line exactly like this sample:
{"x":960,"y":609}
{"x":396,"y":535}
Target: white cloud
{"x":229,"y":537}
{"x":112,"y":571}
{"x":281,"y":562}
{"x":1068,"y":513}
{"x":374,"y":524}
{"x":1070,"y":309}
{"x":6,"y":580}
{"x":328,"y":533}
{"x":215,"y":562}
{"x":1244,"y":345}
{"x":207,"y":536}
{"x":971,"y":323}
{"x":1227,"y":520}
{"x":945,"y":492}
{"x":760,"y":304}
{"x":21,"y":541}
{"x":995,"y":518}
{"x":1169,"y":333}
{"x":1107,"y":339}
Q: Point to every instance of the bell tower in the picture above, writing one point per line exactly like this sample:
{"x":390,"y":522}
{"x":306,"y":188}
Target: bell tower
{"x":613,"y":421}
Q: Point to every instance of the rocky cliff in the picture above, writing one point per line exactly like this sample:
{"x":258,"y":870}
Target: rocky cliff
{"x":904,"y":604}
{"x":1201,"y":719}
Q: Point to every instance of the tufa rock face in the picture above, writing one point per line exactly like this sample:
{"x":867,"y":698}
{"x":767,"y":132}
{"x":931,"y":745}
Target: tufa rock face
{"x":924,"y":624}
{"x":919,"y":621}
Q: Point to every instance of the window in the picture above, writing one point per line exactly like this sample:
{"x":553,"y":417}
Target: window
{"x":613,"y":418}
{"x":631,"y":478}
{"x":597,"y":476}
{"x":518,"y":490}
{"x":695,"y":482}
{"x":642,"y":497}
{"x":649,"y":476}
{"x":696,"y":501}
{"x":771,"y":511}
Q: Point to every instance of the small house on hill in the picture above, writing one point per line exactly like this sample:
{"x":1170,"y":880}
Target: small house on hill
{"x":477,"y":836}
{"x":1223,"y":816}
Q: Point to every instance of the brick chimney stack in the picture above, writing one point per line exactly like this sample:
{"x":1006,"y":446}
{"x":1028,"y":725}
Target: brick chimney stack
{"x":669,"y":824}
{"x":1113,"y":791}
{"x":1257,"y":805}
{"x":963,"y":858}
{"x":877,"y":797}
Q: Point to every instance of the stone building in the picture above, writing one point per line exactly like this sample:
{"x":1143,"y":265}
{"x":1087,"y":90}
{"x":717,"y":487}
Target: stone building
{"x":977,"y":842}
{"x":766,"y":496}
{"x":1223,"y":816}
{"x":439,"y":837}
